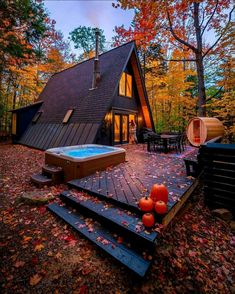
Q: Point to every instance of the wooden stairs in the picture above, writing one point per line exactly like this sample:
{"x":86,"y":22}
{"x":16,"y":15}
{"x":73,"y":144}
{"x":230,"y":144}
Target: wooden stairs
{"x":115,"y":230}
{"x":50,"y":175}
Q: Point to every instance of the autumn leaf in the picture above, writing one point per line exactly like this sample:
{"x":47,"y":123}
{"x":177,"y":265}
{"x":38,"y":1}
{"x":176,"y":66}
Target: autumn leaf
{"x":120,"y":240}
{"x":34,"y":260}
{"x":195,"y":227}
{"x":83,"y":290}
{"x":58,"y":255}
{"x":19,"y":264}
{"x":35,"y":279}
{"x":39,"y":247}
{"x":27,"y":238}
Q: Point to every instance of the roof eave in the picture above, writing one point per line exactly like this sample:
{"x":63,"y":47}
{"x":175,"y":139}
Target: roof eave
{"x":25,"y":107}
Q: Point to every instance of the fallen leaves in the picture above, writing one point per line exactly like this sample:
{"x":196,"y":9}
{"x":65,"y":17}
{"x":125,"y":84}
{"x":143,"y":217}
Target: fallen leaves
{"x":35,"y":279}
{"x":26,"y":239}
{"x":35,"y":247}
{"x":39,"y":247}
{"x":19,"y":263}
{"x":58,"y":255}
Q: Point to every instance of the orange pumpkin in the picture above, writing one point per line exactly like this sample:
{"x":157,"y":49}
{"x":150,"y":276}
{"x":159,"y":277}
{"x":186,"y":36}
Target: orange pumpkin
{"x":146,"y":204}
{"x":159,"y":192}
{"x":160,"y":207}
{"x":148,"y":220}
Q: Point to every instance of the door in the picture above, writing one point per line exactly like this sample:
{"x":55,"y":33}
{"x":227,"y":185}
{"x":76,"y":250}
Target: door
{"x":125,"y":129}
{"x":117,"y":129}
{"x":121,"y":128}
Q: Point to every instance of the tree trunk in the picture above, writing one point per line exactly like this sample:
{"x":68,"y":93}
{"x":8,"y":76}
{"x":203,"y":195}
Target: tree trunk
{"x":14,"y":98}
{"x":201,"y":86}
{"x":199,"y":63}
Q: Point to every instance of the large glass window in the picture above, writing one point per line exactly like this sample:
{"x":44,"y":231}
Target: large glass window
{"x":117,"y":128}
{"x":124,"y":128}
{"x":122,"y":85}
{"x":128,"y":85}
{"x":125,"y":85}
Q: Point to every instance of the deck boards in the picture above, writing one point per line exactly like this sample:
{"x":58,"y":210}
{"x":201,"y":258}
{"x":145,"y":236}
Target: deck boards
{"x":110,"y":215}
{"x":121,"y":252}
{"x":129,"y":181}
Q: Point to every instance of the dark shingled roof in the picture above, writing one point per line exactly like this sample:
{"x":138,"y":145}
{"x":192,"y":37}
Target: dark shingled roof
{"x":70,"y":88}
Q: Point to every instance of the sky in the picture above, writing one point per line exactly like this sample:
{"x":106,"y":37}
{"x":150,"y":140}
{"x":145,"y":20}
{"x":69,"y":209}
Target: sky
{"x":70,"y":14}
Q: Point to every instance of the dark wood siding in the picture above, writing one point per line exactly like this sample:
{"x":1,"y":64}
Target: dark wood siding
{"x":44,"y":135}
{"x":24,"y":117}
{"x":130,"y":103}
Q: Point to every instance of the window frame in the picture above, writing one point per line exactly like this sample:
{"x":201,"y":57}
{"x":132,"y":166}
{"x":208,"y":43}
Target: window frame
{"x":36,"y":117}
{"x":67,"y":116}
{"x":125,"y":81}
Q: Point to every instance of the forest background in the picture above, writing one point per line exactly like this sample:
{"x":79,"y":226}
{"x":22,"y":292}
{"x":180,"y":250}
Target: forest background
{"x":185,"y":74}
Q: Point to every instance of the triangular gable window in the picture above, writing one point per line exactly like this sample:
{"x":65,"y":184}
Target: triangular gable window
{"x":125,"y":85}
{"x":67,"y":116}
{"x":36,"y":117}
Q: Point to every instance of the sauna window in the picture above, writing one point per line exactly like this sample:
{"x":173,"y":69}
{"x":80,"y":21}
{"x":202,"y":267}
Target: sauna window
{"x":125,"y":85}
{"x":67,"y":116}
{"x":36,"y":117}
{"x":14,"y":119}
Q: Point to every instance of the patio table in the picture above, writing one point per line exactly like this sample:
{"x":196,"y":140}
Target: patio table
{"x":165,"y":138}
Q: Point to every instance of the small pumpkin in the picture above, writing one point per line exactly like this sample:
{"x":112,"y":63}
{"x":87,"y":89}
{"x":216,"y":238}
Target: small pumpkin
{"x":159,"y":192}
{"x":148,"y":220}
{"x":146,"y":204}
{"x":160,"y":207}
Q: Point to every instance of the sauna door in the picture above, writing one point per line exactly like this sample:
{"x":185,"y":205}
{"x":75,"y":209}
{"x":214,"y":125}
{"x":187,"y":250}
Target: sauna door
{"x":196,"y":131}
{"x":121,"y":128}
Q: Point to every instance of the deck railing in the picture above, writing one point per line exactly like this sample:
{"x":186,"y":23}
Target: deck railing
{"x":217,"y":161}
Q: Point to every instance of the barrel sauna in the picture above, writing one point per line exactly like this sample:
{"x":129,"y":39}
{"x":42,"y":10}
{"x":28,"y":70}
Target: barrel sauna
{"x":202,"y":129}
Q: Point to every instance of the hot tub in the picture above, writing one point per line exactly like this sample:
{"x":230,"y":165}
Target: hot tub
{"x":82,"y":160}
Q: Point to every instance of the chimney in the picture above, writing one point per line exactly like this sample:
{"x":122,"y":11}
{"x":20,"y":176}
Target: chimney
{"x":96,"y":72}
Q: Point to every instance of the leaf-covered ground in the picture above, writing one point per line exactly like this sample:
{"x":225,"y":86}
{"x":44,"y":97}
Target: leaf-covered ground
{"x":40,"y":254}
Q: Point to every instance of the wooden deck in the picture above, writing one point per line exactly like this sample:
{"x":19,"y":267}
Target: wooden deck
{"x":129,"y":181}
{"x":116,"y":227}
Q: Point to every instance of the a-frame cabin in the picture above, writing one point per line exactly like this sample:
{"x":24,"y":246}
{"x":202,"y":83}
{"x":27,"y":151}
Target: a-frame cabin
{"x":91,"y":102}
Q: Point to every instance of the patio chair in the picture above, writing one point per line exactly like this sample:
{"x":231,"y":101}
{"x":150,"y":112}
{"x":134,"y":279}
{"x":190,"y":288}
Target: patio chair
{"x":183,"y":139}
{"x":158,"y":143}
{"x":174,"y":144}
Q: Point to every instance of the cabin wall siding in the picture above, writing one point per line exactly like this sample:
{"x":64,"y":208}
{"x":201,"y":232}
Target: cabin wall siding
{"x":24,"y":118}
{"x":50,"y":135}
{"x":130,"y":103}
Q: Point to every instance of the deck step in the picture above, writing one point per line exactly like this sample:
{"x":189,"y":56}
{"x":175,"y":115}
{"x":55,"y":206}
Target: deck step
{"x":41,"y":180}
{"x":112,"y":216}
{"x":52,"y":169}
{"x":104,"y":239}
{"x":56,"y":173}
{"x":76,"y":185}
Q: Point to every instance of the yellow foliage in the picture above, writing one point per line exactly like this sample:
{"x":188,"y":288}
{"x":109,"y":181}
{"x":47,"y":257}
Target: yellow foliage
{"x":169,"y":95}
{"x":224,"y":106}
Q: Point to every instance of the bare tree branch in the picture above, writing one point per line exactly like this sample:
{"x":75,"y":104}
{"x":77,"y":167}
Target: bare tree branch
{"x":213,"y":96}
{"x":210,"y":18}
{"x":203,"y":17}
{"x":180,"y":60}
{"x":221,"y":35}
{"x":174,"y":34}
